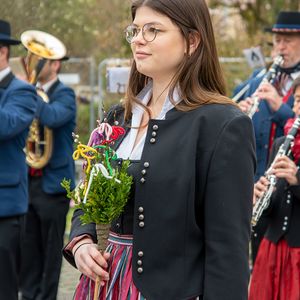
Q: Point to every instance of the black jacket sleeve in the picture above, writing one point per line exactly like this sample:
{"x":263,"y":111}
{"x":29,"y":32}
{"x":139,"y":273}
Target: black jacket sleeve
{"x":228,"y":211}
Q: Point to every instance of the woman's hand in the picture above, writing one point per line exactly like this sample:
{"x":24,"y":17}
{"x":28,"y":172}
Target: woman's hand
{"x":90,"y":261}
{"x":260,"y":188}
{"x":285,"y":168}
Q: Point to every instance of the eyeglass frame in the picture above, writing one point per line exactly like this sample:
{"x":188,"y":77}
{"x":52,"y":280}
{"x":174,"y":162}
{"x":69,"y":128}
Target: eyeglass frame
{"x":156,"y":30}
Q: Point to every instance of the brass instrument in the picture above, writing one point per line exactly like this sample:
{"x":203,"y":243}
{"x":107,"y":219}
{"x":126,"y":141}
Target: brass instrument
{"x":41,"y":47}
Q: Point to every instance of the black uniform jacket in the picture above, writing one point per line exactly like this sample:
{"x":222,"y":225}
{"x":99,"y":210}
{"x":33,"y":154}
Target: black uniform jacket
{"x":196,"y":202}
{"x":284,"y":211}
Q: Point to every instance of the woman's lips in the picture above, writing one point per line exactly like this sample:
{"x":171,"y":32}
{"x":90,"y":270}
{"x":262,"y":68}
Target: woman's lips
{"x":141,"y":55}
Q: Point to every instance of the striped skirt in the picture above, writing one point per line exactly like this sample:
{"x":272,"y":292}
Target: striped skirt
{"x":120,"y":285}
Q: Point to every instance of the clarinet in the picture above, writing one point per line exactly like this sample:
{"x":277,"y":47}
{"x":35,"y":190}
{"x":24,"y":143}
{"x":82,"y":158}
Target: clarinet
{"x":238,"y":96}
{"x":268,"y":77}
{"x":263,"y":202}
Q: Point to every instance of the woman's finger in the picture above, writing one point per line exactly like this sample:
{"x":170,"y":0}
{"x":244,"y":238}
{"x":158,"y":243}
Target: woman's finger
{"x":91,"y":263}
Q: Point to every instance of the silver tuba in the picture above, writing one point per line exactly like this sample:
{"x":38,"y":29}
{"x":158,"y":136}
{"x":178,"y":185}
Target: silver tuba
{"x":41,"y":46}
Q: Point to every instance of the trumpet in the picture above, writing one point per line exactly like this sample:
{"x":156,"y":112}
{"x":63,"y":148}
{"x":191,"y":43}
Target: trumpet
{"x":41,"y":46}
{"x":269,"y":77}
{"x":263,"y":202}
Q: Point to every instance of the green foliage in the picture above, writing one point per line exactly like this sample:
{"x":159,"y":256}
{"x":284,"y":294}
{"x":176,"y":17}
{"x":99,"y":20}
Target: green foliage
{"x":106,"y":198}
{"x":87,"y":27}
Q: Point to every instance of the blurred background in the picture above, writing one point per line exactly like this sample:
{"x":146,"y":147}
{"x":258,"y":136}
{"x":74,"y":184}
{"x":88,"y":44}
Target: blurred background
{"x":92,"y":31}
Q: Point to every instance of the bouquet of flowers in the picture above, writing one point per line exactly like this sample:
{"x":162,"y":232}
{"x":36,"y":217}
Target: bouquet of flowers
{"x":104,"y":191}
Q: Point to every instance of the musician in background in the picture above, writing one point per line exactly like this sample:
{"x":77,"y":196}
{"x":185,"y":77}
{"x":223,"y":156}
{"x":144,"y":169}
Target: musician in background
{"x":48,"y":204}
{"x":17,"y":109}
{"x":241,"y":89}
{"x":278,"y":100}
{"x":277,"y":267}
{"x":276,"y":103}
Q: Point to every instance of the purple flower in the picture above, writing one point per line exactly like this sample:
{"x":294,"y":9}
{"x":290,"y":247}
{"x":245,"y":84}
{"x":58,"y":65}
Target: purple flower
{"x":96,"y":138}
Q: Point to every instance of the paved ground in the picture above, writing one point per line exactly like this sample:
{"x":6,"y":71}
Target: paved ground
{"x":69,"y":276}
{"x":68,"y":280}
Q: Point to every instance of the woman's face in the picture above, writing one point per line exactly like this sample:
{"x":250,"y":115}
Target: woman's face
{"x":160,"y":58}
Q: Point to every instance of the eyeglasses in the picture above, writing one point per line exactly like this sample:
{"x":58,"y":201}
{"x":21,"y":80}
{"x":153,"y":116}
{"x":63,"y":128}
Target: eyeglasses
{"x":149,"y":32}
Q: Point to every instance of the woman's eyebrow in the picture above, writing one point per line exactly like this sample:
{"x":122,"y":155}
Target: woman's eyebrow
{"x":154,"y":23}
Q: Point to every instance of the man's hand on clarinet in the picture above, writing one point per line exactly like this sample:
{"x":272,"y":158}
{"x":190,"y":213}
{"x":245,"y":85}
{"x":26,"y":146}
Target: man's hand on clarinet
{"x":246,"y":104}
{"x":268,"y":92}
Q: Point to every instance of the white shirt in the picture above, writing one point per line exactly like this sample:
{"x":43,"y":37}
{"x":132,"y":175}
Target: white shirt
{"x":126,"y":149}
{"x":4,"y":73}
{"x":46,"y":87}
{"x":289,"y":82}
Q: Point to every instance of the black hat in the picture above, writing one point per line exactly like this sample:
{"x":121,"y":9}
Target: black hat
{"x":5,"y":34}
{"x":287,"y":22}
{"x":65,"y":58}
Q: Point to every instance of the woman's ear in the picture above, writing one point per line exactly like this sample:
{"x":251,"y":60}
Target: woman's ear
{"x":194,"y":39}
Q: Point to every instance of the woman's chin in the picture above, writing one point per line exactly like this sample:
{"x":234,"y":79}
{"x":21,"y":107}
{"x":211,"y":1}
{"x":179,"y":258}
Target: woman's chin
{"x":143,"y":70}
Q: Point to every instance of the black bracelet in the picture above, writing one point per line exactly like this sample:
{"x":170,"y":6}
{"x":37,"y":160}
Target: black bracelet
{"x":80,"y":246}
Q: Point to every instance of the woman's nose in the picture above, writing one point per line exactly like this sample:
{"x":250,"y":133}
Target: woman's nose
{"x":139,"y":38}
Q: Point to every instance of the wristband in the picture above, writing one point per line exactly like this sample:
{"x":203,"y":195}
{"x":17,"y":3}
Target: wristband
{"x":80,"y":246}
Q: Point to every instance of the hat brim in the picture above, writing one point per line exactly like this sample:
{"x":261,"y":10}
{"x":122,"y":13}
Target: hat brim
{"x":282,"y":30}
{"x":9,"y":41}
{"x":65,"y":58}
{"x":268,"y":29}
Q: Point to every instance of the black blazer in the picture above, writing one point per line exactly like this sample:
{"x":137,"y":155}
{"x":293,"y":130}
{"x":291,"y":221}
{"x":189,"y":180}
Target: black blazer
{"x":196,"y":198}
{"x":284,"y":211}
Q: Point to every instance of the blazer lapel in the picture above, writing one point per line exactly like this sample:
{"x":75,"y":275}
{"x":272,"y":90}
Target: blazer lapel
{"x":5,"y":82}
{"x":53,"y":87}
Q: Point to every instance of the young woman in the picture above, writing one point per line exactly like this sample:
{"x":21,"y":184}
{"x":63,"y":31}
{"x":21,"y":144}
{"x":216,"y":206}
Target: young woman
{"x":185,"y":230}
{"x":277,"y":267}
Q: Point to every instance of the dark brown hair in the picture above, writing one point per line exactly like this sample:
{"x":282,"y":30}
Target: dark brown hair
{"x":199,"y":75}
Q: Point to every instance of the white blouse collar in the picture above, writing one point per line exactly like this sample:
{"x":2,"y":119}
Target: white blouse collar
{"x":127,"y":149}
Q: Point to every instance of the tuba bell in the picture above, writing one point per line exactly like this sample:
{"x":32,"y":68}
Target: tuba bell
{"x":41,"y":46}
